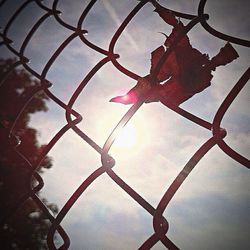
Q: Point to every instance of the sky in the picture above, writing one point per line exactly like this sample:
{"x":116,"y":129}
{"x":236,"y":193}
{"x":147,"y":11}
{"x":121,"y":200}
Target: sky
{"x":211,"y":208}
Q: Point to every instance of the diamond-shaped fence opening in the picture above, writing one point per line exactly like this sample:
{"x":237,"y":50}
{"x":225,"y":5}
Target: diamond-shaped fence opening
{"x":117,"y":169}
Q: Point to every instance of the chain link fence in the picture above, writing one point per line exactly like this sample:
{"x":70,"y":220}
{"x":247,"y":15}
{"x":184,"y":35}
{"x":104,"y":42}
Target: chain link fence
{"x":73,"y":117}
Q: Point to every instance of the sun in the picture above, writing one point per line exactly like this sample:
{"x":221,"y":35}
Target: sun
{"x":131,"y":140}
{"x":128,"y":138}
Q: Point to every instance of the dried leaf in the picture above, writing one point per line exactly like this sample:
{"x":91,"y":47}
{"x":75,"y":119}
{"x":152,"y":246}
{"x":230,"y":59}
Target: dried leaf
{"x":186,"y":71}
{"x":143,"y":85}
{"x":166,"y":15}
{"x":169,"y":67}
{"x":226,"y":55}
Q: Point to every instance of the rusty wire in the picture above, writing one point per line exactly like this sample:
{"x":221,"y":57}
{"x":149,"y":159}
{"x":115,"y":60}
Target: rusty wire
{"x":160,"y":223}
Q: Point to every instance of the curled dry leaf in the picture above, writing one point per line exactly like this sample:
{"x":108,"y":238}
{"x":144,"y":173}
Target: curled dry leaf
{"x":185,"y":71}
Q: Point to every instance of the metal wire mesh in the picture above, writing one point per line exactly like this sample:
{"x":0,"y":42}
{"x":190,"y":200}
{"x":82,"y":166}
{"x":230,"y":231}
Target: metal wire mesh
{"x":160,"y":223}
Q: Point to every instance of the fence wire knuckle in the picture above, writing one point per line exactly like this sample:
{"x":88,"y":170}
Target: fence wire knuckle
{"x":73,"y":117}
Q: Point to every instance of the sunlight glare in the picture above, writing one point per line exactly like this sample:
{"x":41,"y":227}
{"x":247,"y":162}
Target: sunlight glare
{"x":127,"y":138}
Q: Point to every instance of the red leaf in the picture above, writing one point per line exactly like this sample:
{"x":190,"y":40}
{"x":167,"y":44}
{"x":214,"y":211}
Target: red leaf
{"x":226,"y":55}
{"x":170,"y":19}
{"x":166,"y":15}
{"x":186,"y":71}
{"x":169,"y":67}
{"x":172,"y":91}
{"x":141,"y":88}
{"x":155,"y":56}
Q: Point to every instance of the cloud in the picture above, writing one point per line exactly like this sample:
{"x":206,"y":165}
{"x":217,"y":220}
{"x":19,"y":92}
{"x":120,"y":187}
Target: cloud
{"x":108,"y":7}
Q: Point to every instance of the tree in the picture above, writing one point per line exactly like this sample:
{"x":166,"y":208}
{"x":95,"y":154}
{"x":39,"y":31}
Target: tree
{"x":27,"y":227}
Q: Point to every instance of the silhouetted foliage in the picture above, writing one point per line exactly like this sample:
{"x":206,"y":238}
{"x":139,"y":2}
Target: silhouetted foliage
{"x":27,"y":227}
